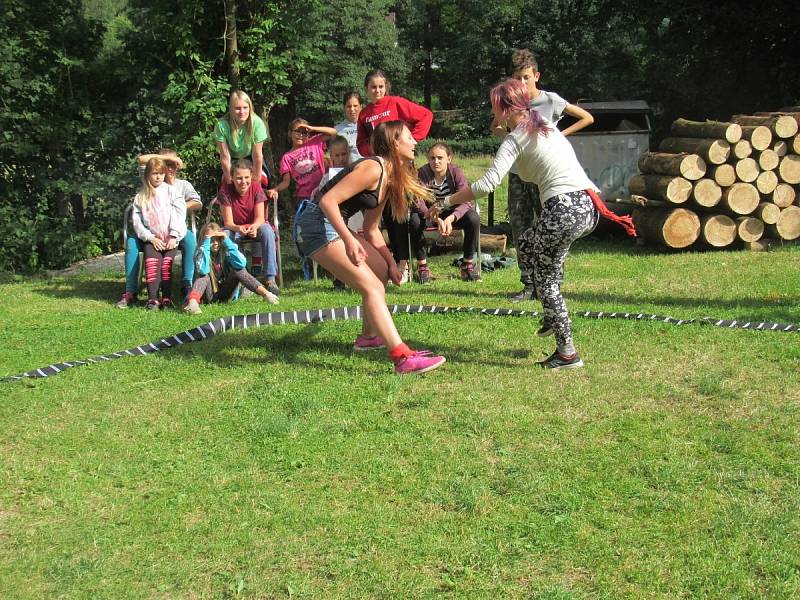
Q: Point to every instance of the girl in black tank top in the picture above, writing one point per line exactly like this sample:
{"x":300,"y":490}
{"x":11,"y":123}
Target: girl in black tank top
{"x":363,"y":200}
{"x":363,"y":262}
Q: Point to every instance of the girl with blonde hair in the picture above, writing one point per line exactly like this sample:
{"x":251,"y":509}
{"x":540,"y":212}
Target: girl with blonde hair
{"x":159,"y":220}
{"x":220,"y":268}
{"x":240,"y":134}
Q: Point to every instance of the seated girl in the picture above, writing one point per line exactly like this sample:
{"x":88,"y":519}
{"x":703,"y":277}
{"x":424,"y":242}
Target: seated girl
{"x":243,"y":206}
{"x":443,"y":179}
{"x":220,"y":268}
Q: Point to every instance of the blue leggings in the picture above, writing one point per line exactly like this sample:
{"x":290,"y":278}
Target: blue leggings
{"x":133,"y":246}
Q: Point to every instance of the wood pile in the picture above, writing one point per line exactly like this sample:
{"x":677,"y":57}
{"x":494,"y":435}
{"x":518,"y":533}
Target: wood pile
{"x":717,"y":184}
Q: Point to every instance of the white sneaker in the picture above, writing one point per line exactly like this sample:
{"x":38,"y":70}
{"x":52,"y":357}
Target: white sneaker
{"x":406,"y":276}
{"x":192,"y":307}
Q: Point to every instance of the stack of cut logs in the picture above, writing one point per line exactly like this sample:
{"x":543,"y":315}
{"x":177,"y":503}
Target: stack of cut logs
{"x":718,"y":184}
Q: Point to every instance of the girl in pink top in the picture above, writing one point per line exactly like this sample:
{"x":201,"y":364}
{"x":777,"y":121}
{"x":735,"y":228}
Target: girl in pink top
{"x":305,"y":162}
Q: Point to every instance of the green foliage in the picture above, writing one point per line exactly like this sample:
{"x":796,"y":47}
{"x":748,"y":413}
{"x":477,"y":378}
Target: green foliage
{"x":469,"y":147}
{"x":86,"y":85}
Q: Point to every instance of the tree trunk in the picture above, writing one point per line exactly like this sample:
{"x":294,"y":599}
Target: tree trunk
{"x":730,"y":132}
{"x":792,"y":111}
{"x":760,"y":137}
{"x":231,"y":44}
{"x":784,"y":195}
{"x":788,"y":225}
{"x":690,"y":166}
{"x":768,"y":159}
{"x":768,"y":213}
{"x":740,"y":198}
{"x":749,"y":229}
{"x":724,"y":175}
{"x":676,"y":228}
{"x":267,"y":149}
{"x":674,"y":190}
{"x":746,"y":170}
{"x":766,"y":182}
{"x":717,"y":230}
{"x":795,"y":146}
{"x":781,"y":148}
{"x":783,"y":126}
{"x":714,"y":152}
{"x":78,"y":212}
{"x":789,"y":169}
{"x":706,"y":193}
{"x":490,"y":242}
{"x":741,"y":149}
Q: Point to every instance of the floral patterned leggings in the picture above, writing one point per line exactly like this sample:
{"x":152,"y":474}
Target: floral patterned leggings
{"x":564,"y":219}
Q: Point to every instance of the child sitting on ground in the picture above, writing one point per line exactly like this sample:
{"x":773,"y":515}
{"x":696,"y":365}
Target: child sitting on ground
{"x":220,"y":269}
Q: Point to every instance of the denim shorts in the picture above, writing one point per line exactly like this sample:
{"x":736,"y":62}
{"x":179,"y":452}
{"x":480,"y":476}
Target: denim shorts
{"x":312,"y":230}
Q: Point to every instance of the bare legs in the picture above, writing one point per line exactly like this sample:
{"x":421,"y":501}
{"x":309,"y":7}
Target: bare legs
{"x":368,"y":279}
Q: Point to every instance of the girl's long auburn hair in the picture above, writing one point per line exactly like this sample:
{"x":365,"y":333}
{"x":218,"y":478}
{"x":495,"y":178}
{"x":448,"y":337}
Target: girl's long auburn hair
{"x":231,"y":117}
{"x":402,"y":186}
{"x":510,"y":96}
{"x":147,"y":191}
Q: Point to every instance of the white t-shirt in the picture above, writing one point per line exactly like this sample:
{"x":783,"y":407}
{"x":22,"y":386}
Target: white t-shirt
{"x":548,"y":161}
{"x":551,"y":106}
{"x":349,"y":131}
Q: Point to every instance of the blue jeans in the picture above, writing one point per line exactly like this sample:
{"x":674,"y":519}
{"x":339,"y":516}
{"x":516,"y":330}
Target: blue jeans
{"x":268,"y":257}
{"x":312,"y":230}
{"x":133,"y":246}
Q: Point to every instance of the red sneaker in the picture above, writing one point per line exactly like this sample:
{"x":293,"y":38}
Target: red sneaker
{"x":418,"y":362}
{"x":127,"y":300}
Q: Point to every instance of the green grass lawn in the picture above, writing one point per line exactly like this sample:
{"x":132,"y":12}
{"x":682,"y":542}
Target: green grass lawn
{"x":277,"y":463}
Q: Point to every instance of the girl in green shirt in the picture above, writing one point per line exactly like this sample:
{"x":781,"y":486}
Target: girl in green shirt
{"x":240,"y":134}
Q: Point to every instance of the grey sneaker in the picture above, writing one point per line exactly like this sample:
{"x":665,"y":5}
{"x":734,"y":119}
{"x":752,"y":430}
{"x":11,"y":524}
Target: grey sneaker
{"x":545,"y":329}
{"x":272,"y":288}
{"x":192,"y":307}
{"x":527,"y":293}
{"x":270,"y":297}
{"x":469,"y":272}
{"x":424,"y":275}
{"x":556,"y":361}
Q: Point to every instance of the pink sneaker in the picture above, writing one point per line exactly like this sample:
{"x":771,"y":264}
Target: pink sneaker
{"x":368,"y":343}
{"x":419,"y":362}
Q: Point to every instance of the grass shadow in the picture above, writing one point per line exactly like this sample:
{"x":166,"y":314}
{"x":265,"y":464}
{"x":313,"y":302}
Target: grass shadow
{"x":293,"y":348}
{"x":90,"y":289}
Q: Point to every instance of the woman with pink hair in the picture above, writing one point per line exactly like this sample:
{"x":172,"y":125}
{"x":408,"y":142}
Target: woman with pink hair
{"x":571,"y":206}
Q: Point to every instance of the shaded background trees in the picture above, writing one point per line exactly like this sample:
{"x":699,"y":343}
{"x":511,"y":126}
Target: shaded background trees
{"x":85,"y":85}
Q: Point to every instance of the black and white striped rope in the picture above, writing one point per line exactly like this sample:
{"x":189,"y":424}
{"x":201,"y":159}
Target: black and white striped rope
{"x":347,"y":313}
